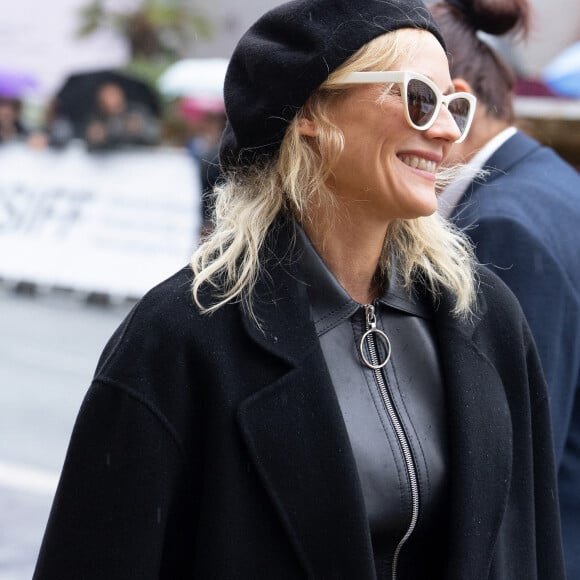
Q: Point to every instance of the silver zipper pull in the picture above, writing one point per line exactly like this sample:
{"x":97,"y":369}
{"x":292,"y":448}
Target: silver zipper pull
{"x":370,"y":315}
{"x":369,"y":338}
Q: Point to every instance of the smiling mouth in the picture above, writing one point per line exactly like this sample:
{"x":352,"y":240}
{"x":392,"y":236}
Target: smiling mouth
{"x":419,"y":163}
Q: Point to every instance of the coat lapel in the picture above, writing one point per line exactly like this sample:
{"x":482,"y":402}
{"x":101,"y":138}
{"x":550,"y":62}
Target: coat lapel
{"x":295,"y":434}
{"x":481,"y":449}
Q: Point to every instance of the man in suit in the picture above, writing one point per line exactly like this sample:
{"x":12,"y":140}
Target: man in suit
{"x":523,"y":216}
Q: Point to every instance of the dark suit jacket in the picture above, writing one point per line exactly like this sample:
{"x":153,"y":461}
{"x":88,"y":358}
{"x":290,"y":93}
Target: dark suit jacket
{"x":525,"y":220}
{"x":208,"y":448}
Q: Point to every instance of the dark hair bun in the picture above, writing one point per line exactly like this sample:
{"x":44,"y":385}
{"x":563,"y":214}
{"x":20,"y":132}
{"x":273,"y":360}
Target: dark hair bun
{"x":495,"y":17}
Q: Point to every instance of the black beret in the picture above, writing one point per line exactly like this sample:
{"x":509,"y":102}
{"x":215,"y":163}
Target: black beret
{"x":287,"y":54}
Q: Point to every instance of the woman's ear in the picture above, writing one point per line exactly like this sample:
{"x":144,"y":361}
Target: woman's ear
{"x":307,"y":128}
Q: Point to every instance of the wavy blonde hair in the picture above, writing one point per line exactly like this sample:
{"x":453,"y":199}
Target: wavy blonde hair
{"x":426,"y":250}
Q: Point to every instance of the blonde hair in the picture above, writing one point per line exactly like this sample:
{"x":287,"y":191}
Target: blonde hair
{"x":427,"y":250}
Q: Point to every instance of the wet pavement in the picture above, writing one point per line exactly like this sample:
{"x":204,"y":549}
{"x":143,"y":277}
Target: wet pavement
{"x":49,"y":346}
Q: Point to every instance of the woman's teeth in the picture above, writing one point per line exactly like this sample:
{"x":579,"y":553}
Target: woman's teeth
{"x":419,"y":163}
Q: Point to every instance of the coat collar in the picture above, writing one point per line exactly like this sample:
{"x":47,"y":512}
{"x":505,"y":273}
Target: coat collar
{"x":282,"y":324}
{"x":295,"y":434}
{"x":509,"y":154}
{"x":499,"y":164}
{"x":504,"y":159}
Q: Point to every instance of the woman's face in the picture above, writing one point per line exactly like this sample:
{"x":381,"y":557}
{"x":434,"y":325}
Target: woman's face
{"x":387,"y":169}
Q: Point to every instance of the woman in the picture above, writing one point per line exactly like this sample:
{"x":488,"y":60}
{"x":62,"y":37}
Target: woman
{"x":526,"y":212}
{"x":335,"y":399}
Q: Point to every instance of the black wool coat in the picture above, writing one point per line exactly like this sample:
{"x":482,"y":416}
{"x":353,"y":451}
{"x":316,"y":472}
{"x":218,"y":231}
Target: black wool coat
{"x":208,"y":448}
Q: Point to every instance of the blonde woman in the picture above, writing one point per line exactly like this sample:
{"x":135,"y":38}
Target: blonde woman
{"x":332,"y":389}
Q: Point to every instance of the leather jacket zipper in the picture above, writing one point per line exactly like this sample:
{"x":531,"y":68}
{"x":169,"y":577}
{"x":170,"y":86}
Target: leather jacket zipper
{"x":369,"y":339}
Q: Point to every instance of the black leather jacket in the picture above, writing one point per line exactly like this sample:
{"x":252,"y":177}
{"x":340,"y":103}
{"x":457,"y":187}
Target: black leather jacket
{"x":395,"y":415}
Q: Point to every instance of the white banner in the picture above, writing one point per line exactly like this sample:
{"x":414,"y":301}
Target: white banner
{"x":117,"y":222}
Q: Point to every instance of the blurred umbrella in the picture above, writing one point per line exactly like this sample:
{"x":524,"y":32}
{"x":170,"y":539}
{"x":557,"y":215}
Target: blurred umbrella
{"x":14,"y":85}
{"x":196,"y":108}
{"x":532,"y":87}
{"x":201,"y":78}
{"x":77,"y":96}
{"x":562,"y":74}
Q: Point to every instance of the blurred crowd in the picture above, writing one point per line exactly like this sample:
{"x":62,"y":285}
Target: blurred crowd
{"x":107,"y":110}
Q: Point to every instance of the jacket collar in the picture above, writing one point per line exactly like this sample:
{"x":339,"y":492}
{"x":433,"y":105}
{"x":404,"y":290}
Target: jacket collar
{"x":509,"y":154}
{"x":505,"y":158}
{"x":501,"y":162}
{"x":295,"y":434}
{"x":330,"y":302}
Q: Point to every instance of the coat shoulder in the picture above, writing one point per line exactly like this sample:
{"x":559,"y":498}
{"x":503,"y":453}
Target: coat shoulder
{"x":157,"y":337}
{"x":169,"y":299}
{"x":497,"y":305}
{"x":492,"y":287}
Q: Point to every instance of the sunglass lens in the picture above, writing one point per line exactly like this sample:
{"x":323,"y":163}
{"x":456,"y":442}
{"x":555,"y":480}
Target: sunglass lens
{"x":459,"y":109}
{"x":421,"y":101}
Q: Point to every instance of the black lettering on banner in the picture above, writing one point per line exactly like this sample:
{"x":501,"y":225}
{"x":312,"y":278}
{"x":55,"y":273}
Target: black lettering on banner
{"x":41,"y":210}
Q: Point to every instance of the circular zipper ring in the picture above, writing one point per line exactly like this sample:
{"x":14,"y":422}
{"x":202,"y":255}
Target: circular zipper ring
{"x":386,"y":342}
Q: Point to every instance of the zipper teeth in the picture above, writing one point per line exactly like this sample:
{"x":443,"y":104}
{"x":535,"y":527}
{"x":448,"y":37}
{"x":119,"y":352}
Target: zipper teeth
{"x":403,"y":441}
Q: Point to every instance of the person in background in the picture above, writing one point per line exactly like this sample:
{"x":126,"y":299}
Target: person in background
{"x":115,"y":122}
{"x":523,"y":218}
{"x":205,"y":118}
{"x":11,"y":126}
{"x":13,"y":88}
{"x":12,"y":129}
{"x":332,"y":389}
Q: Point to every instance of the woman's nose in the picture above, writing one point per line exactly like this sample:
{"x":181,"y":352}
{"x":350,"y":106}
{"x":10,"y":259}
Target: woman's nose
{"x":445,"y":126}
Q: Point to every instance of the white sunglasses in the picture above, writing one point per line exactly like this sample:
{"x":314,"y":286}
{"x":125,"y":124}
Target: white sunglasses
{"x":422,"y":98}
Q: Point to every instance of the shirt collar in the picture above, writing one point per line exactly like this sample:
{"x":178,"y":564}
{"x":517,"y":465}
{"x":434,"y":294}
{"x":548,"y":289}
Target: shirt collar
{"x":331,"y":303}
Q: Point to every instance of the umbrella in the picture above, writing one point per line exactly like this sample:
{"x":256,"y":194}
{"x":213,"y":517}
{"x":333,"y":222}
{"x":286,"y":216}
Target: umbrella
{"x":562,"y":74}
{"x":77,"y":95}
{"x":196,"y":108}
{"x":14,"y":85}
{"x":199,"y":78}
